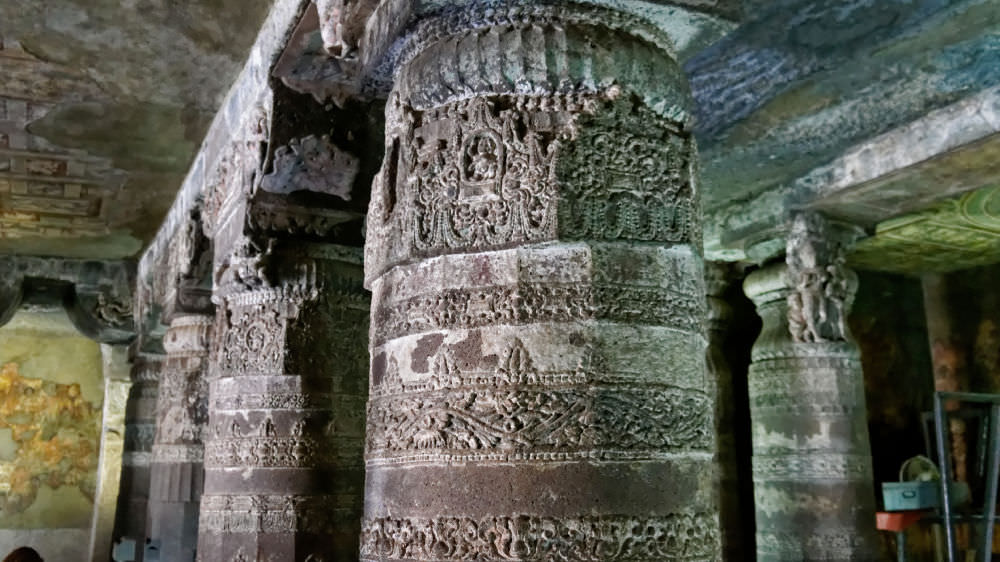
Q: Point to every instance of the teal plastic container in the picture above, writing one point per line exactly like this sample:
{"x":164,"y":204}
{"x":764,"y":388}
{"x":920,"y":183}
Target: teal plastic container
{"x":905,"y":496}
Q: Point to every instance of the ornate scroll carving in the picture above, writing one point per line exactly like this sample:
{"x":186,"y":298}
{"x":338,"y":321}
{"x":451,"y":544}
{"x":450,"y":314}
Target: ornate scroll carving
{"x":486,"y":176}
{"x":823,"y":286}
{"x":527,"y":303}
{"x":553,"y":423}
{"x":312,"y":164}
{"x":682,"y":536}
{"x":627,"y":175}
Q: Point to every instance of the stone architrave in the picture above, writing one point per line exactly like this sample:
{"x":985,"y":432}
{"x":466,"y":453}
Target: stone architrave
{"x":538,"y":386}
{"x":283,"y":454}
{"x":140,"y":431}
{"x":813,"y":485}
{"x":177,"y":474}
{"x":719,"y":277}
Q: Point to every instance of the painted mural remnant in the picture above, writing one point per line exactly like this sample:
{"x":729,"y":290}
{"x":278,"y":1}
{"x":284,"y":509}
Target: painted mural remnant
{"x":56,"y":433}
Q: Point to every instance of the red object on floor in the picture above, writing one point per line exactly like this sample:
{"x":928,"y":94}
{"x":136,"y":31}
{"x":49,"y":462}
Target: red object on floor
{"x":897,"y":520}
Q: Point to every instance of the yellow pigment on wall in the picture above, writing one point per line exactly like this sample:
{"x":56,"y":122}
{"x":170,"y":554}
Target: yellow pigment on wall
{"x":50,"y":422}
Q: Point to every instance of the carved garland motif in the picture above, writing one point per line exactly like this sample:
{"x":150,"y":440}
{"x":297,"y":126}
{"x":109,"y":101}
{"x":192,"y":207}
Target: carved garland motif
{"x":539,"y":423}
{"x":537,"y":303}
{"x":590,"y":538}
{"x":627,"y":175}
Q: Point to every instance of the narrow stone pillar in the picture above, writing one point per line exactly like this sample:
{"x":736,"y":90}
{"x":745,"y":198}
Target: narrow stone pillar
{"x":813,"y":487}
{"x":538,"y":387}
{"x":140,"y":431}
{"x":109,"y":464}
{"x":949,"y":361}
{"x":719,"y":277}
{"x":177,"y":473}
{"x":283,"y":456}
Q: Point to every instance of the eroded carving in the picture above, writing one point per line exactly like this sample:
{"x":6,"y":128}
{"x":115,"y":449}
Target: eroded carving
{"x":823,"y":286}
{"x":539,"y":423}
{"x":312,"y":164}
{"x":682,"y":536}
{"x":627,"y":175}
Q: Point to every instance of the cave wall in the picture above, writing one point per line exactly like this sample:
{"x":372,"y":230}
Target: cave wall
{"x":51,"y":392}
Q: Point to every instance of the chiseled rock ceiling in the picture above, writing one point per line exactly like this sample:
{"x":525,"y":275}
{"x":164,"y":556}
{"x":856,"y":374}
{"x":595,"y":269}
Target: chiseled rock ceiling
{"x":103,"y":105}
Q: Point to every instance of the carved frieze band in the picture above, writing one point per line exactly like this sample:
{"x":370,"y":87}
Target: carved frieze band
{"x":137,"y":458}
{"x":809,"y":466}
{"x":526,"y":303}
{"x":844,"y":545}
{"x":273,"y":514}
{"x":270,"y":452}
{"x":170,"y":453}
{"x":538,"y":424}
{"x":683,"y":536}
{"x":276,"y":401}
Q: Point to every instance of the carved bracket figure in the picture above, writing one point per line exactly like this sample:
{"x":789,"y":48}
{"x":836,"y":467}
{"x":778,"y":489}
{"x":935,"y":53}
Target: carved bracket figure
{"x":823,"y":288}
{"x":97,"y":294}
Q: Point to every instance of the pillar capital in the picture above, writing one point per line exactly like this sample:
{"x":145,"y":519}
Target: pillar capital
{"x":531,"y":125}
{"x":807,"y":404}
{"x":822,"y":286}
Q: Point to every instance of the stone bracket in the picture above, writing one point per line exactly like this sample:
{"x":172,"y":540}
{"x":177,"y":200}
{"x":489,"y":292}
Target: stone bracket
{"x":97,"y":295}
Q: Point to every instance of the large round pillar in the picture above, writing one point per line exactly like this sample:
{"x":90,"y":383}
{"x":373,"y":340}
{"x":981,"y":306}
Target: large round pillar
{"x":538,"y":386}
{"x":813,"y":486}
{"x":177,"y":471}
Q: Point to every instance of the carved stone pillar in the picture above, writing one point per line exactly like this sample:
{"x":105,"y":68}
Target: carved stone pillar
{"x":283,"y":456}
{"x":140,"y":430}
{"x":109,"y":464}
{"x":812,"y":471}
{"x":719,"y":277}
{"x":177,"y":473}
{"x":538,"y":387}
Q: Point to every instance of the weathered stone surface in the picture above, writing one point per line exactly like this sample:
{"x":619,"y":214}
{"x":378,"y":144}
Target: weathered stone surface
{"x":283,"y":455}
{"x":538,"y":304}
{"x":140,"y":432}
{"x":97,"y":295}
{"x":176,"y":468}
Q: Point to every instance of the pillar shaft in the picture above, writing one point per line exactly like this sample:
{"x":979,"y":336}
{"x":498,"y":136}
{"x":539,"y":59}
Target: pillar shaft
{"x":719,"y":278}
{"x":283,"y":457}
{"x":813,"y":484}
{"x":109,"y":470}
{"x":538,"y":385}
{"x":140,"y":432}
{"x":177,"y":474}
